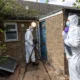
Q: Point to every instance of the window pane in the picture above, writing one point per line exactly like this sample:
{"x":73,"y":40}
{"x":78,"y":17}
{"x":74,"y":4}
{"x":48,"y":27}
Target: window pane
{"x":11,"y":35}
{"x":10,"y":26}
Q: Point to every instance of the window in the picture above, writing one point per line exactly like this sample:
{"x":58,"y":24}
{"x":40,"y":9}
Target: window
{"x":11,"y":33}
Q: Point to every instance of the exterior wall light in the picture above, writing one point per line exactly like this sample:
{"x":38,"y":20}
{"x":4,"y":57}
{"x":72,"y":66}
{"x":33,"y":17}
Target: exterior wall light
{"x":33,"y":24}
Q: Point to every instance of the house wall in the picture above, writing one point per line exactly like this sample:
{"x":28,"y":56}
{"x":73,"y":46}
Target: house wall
{"x":16,"y":49}
{"x":55,"y":48}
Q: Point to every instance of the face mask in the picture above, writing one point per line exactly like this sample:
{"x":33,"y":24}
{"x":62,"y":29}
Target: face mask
{"x":31,"y":29}
{"x":67,"y":23}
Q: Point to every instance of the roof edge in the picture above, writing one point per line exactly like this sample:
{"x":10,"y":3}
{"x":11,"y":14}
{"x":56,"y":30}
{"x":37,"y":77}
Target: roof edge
{"x":54,"y":13}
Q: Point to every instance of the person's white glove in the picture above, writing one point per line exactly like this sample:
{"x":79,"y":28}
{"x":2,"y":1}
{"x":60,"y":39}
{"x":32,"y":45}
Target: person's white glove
{"x":64,"y":35}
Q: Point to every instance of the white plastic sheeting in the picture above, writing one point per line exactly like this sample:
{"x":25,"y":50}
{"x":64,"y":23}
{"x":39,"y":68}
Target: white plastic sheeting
{"x":32,"y":0}
{"x":60,"y":2}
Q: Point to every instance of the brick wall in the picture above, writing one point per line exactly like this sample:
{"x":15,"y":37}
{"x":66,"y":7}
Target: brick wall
{"x":16,"y":49}
{"x":55,"y":49}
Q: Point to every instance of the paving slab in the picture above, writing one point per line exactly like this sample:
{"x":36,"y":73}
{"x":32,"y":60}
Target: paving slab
{"x":15,"y":75}
{"x":55,"y":74}
{"x":38,"y":73}
{"x":41,"y":72}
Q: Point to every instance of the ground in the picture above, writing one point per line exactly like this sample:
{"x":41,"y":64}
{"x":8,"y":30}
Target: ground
{"x":42,"y":72}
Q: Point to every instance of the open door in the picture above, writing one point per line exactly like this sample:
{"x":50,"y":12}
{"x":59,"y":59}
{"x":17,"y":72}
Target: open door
{"x":43,"y":41}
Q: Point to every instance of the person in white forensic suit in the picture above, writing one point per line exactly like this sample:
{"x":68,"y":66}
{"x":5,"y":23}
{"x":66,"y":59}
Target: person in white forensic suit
{"x":72,"y":40}
{"x":29,"y":46}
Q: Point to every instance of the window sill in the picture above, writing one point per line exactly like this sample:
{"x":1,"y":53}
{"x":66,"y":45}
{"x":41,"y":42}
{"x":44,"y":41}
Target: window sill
{"x":11,"y":40}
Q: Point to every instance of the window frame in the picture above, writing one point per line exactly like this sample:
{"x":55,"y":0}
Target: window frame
{"x":16,"y":29}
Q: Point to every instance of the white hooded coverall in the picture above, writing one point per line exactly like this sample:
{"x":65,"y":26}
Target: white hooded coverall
{"x":73,"y":41}
{"x":29,"y":46}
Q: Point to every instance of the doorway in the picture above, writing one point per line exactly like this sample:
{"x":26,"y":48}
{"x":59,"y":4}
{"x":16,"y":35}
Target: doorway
{"x":43,"y":40}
